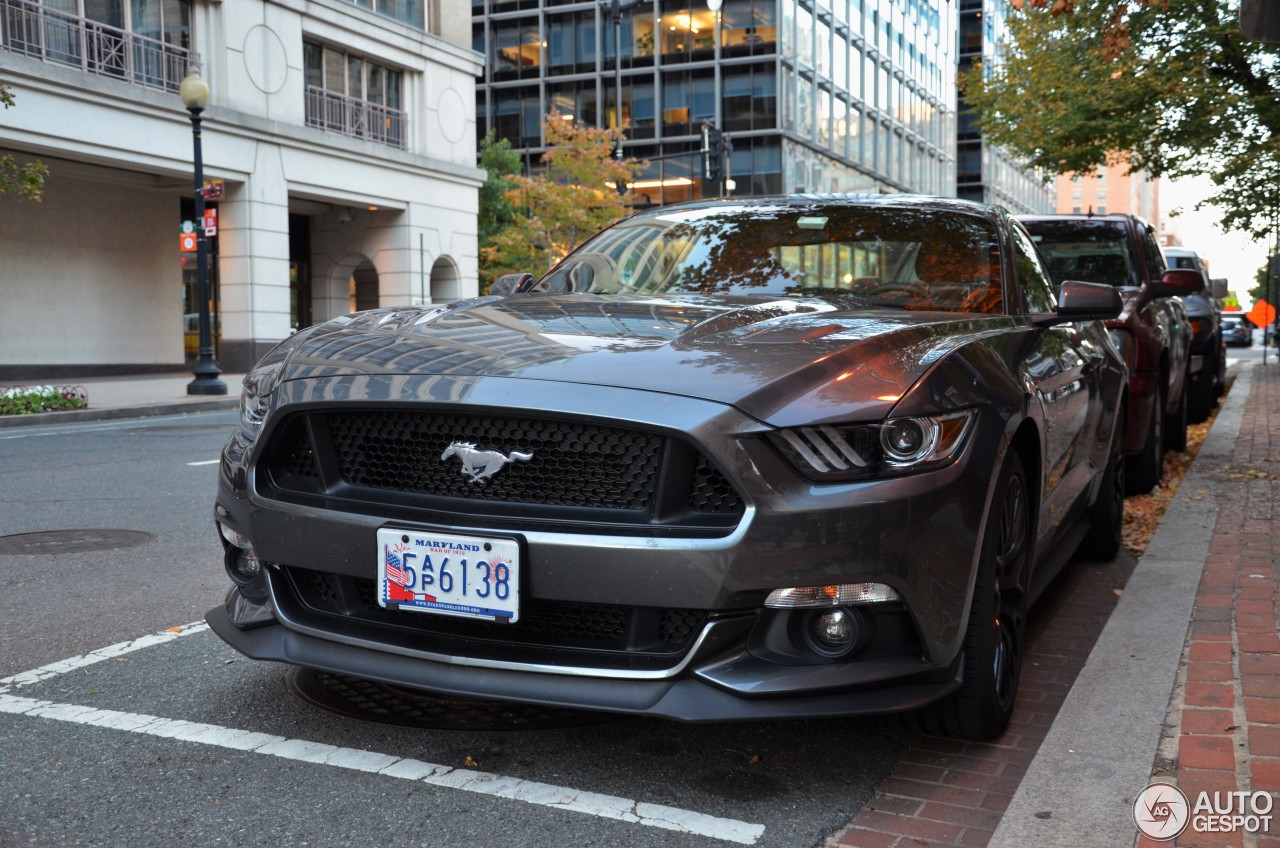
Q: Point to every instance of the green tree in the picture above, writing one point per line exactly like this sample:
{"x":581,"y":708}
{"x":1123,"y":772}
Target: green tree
{"x":1177,"y":88}
{"x":571,"y":199}
{"x":23,"y":179}
{"x":502,"y":164}
{"x":1263,"y":287}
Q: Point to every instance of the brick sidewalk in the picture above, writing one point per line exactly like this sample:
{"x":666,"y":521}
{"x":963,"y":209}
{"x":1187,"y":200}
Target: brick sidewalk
{"x":1223,"y":735}
{"x":949,"y":793}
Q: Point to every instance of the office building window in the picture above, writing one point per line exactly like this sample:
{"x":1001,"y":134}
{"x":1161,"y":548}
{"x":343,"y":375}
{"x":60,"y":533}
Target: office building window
{"x":406,"y":11}
{"x":517,"y":50}
{"x":748,"y":27}
{"x":349,"y":94}
{"x":575,"y":101}
{"x":688,"y":99}
{"x":687,"y":33}
{"x":145,"y":42}
{"x":517,"y":115}
{"x":750,"y":98}
{"x":571,"y":43}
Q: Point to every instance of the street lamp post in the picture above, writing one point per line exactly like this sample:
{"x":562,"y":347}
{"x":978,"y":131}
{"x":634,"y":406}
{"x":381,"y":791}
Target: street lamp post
{"x":617,"y":8}
{"x":195,"y":96}
{"x":714,"y":6}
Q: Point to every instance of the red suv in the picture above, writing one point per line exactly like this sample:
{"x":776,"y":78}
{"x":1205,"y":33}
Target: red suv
{"x":1153,"y":332}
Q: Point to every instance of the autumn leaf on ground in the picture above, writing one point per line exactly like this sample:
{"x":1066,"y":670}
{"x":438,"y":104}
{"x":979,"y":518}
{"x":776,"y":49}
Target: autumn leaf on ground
{"x":470,"y":763}
{"x":1142,"y":513}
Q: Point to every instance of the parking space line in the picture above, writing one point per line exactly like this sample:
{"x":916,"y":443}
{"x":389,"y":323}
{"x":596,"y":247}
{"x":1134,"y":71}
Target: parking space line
{"x":205,"y":462}
{"x":466,"y":780}
{"x":36,"y":675}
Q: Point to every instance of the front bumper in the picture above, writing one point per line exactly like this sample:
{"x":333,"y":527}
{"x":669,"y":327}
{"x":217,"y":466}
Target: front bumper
{"x":694,"y":698}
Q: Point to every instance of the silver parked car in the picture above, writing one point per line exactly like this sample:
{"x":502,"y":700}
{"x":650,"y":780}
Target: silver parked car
{"x":760,"y":458}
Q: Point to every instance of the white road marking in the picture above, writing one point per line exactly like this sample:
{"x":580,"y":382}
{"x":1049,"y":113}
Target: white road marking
{"x":466,"y":780}
{"x":205,"y":462}
{"x":26,"y":678}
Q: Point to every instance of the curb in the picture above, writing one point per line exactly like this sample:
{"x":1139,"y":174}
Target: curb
{"x":76,"y":415}
{"x":1098,"y":755}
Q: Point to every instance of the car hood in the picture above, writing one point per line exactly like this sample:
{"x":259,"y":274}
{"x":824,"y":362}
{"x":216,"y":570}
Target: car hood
{"x":784,"y":360}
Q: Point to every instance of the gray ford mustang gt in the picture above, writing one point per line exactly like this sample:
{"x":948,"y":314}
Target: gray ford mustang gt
{"x":746,"y":459}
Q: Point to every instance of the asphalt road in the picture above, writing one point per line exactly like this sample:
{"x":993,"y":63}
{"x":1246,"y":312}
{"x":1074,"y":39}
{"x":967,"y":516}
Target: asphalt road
{"x":120,"y":725}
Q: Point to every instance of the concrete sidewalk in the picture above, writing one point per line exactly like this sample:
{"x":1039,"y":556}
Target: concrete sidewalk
{"x":1176,"y":680}
{"x":129,"y":397}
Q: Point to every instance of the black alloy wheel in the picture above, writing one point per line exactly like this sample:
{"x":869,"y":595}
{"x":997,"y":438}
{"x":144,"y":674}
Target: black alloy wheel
{"x":1145,"y":469}
{"x":982,"y":706}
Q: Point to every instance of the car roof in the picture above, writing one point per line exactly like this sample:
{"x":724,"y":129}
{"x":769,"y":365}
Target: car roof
{"x":887,"y":201}
{"x":1110,"y":216}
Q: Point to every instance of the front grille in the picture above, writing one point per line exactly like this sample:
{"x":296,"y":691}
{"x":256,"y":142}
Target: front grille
{"x":543,"y":625}
{"x":547,"y":471}
{"x":572,"y":464}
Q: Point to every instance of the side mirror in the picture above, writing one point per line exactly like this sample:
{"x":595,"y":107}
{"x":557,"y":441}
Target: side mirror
{"x":509,"y":284}
{"x":1178,"y":282}
{"x":1219,"y":285}
{"x":1079,"y":301}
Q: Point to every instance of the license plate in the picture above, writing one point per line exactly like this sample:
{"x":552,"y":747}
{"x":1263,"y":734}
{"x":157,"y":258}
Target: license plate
{"x":466,"y":576}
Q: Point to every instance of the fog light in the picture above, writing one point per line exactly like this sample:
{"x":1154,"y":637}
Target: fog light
{"x":833,"y":632}
{"x":243,"y":567}
{"x":833,"y":628}
{"x":248,"y":564}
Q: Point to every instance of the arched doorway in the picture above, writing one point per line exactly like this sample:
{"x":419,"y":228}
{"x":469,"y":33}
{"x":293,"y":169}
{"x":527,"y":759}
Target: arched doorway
{"x":446,"y":282}
{"x":364,"y":287}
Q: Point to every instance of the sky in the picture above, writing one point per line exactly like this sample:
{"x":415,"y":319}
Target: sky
{"x":1233,"y":255}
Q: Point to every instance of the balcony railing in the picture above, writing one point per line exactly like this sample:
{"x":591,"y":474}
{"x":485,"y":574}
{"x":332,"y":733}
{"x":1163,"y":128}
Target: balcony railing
{"x":356,"y":118}
{"x":31,"y":29}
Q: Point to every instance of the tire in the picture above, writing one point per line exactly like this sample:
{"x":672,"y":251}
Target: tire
{"x":1143,"y":471}
{"x":1175,"y":428}
{"x":992,"y":659}
{"x":1201,"y":395}
{"x":1106,"y":516}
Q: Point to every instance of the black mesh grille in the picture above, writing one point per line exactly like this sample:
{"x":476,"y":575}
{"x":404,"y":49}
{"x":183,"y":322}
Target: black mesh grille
{"x":550,"y":624}
{"x":711,"y":492}
{"x":571,"y":464}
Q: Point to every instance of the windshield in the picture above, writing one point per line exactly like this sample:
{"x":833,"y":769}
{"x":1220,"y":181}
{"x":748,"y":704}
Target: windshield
{"x":901,"y":257}
{"x":1089,"y":251}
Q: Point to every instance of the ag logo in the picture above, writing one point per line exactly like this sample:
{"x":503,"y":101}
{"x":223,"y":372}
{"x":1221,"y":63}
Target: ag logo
{"x":1161,"y":811}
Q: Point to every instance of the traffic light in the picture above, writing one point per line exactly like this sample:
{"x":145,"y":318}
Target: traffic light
{"x":712,"y":152}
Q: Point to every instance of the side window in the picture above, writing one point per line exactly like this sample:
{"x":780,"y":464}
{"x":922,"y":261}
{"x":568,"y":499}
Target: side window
{"x":1037,"y":288}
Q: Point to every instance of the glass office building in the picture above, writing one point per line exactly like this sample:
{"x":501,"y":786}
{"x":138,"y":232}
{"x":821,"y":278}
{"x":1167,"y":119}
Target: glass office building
{"x":985,"y":173}
{"x":815,"y":95}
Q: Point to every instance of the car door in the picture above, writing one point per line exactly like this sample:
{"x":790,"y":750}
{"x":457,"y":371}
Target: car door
{"x":1061,"y":370}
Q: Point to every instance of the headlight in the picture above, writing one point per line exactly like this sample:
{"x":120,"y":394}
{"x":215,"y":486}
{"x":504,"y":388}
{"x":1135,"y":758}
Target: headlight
{"x":896,"y":446}
{"x":1123,"y":340}
{"x":253,"y":411}
{"x":255,"y":397}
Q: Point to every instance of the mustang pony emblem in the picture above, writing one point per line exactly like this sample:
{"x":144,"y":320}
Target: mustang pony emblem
{"x":479,"y":464}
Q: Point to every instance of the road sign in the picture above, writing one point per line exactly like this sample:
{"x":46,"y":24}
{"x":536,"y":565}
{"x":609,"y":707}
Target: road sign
{"x":210,"y":223}
{"x":187,"y":242}
{"x":1262,"y":314}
